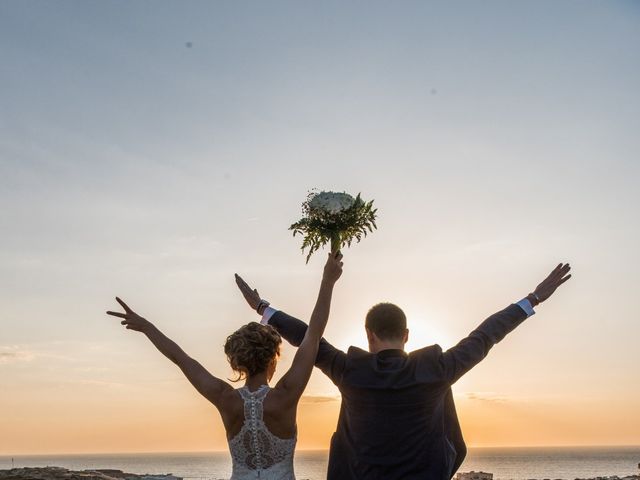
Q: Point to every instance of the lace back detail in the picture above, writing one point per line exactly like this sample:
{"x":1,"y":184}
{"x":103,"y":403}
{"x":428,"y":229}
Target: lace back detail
{"x":253,"y":413}
{"x":255,"y":449}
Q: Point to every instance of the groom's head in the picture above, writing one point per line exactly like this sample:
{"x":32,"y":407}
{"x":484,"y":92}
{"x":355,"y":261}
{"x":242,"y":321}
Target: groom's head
{"x":386,"y":326}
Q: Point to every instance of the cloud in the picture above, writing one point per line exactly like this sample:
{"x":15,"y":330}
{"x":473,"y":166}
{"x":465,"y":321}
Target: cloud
{"x":40,"y":351}
{"x":91,"y":369}
{"x":99,"y":383}
{"x":14,"y":354}
{"x":486,"y":397}
{"x":319,"y":399}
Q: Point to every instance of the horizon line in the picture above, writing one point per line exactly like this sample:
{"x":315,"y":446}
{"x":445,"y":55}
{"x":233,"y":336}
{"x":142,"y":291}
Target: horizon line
{"x":204,"y":452}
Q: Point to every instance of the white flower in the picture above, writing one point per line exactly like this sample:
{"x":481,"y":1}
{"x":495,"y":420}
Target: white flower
{"x":331,"y":202}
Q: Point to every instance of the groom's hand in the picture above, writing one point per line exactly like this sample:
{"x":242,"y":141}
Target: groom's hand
{"x":251,"y":296}
{"x":549,"y":285}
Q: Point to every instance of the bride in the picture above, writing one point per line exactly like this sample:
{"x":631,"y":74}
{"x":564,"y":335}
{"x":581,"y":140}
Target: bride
{"x":260,"y":421}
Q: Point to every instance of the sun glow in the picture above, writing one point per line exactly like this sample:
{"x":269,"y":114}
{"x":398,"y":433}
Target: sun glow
{"x":425,"y":330}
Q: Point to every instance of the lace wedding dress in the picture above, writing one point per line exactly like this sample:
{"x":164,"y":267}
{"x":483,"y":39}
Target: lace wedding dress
{"x":255,"y":451}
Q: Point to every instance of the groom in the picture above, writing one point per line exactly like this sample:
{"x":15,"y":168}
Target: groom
{"x":397,"y":417}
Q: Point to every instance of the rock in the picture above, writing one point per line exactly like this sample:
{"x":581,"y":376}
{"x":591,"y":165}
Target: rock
{"x":59,"y":473}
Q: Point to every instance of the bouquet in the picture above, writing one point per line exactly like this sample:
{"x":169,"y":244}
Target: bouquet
{"x":336,"y":218}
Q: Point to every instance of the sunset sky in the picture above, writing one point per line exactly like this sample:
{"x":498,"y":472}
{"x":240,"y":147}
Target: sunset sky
{"x":152,"y":149}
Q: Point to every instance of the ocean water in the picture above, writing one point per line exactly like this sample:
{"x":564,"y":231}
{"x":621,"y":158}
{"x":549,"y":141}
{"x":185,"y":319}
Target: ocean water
{"x":505,"y":463}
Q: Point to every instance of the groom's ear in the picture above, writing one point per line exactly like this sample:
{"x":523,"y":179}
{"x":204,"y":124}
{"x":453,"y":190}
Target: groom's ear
{"x":406,"y":335}
{"x":370,"y":335}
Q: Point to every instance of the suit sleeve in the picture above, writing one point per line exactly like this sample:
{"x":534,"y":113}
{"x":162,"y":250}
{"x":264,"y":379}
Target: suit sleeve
{"x":461,"y":358}
{"x":329,"y":359}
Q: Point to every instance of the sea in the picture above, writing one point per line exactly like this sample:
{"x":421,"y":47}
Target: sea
{"x":566,"y":463}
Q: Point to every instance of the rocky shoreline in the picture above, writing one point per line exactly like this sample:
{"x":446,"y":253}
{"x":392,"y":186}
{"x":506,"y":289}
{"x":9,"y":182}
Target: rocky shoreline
{"x":59,"y":473}
{"x":613,"y":477}
{"x":489,"y":476}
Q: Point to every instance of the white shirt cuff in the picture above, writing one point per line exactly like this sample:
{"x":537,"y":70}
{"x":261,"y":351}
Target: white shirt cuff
{"x":525,"y":305}
{"x":267,"y":314}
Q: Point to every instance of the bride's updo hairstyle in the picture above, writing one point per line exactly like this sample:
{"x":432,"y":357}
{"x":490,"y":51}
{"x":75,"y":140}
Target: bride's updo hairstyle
{"x":251,"y":349}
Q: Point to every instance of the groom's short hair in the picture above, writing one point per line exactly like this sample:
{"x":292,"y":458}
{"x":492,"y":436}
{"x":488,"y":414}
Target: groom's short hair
{"x":387,"y":321}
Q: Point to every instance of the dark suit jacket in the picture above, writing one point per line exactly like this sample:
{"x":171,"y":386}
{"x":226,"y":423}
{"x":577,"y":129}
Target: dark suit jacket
{"x":397,"y":417}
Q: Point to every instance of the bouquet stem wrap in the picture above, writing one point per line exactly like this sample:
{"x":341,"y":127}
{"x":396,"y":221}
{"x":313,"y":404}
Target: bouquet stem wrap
{"x":335,"y":242}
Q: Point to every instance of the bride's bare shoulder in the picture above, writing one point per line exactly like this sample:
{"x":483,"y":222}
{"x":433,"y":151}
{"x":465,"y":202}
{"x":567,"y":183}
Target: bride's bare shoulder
{"x":230,"y":401}
{"x":279,"y":398}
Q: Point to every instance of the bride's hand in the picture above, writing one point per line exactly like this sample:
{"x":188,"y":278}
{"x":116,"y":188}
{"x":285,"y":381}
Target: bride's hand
{"x":333,"y":267}
{"x":132,"y":320}
{"x":251,"y":296}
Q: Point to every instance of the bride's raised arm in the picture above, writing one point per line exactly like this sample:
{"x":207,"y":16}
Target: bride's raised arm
{"x":295,"y":380}
{"x":209,"y":386}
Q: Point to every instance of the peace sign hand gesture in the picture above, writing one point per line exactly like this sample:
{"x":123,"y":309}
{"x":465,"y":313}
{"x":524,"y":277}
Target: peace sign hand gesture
{"x":132,"y":320}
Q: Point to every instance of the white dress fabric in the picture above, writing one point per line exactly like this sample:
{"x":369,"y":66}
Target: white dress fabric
{"x":255,"y":451}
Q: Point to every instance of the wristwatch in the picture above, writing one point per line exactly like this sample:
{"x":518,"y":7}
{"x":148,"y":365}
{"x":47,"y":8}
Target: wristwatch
{"x":536,"y":299}
{"x":262,"y":304}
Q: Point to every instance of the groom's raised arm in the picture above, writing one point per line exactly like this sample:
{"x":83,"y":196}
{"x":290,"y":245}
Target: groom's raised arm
{"x":329,"y":359}
{"x":461,"y":358}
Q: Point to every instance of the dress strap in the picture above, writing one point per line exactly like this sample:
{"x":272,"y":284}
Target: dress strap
{"x":253,"y":402}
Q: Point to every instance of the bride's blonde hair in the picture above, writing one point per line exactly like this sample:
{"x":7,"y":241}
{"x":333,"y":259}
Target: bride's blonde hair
{"x":251,"y":349}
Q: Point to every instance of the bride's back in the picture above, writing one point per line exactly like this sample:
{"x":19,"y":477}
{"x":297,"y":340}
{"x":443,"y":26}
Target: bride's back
{"x":256,"y":449}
